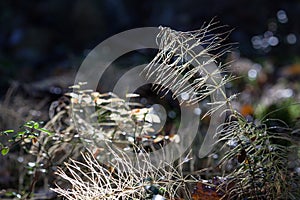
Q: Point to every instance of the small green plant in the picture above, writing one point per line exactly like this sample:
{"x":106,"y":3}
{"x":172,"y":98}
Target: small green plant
{"x":29,"y":133}
{"x":4,"y":148}
{"x":22,"y":140}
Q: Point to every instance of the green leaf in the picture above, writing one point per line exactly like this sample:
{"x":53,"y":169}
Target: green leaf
{"x":45,"y":131}
{"x":36,"y":125}
{"x":20,"y":133}
{"x":4,"y":151}
{"x":31,"y":124}
{"x":27,"y":125}
{"x":31,"y":136}
{"x":7,"y":132}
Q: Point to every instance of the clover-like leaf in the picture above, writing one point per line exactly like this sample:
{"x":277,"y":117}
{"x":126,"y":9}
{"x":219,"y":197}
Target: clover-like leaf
{"x":4,"y":151}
